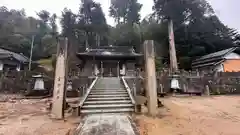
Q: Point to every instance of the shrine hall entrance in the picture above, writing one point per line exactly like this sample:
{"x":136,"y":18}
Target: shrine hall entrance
{"x":110,"y":69}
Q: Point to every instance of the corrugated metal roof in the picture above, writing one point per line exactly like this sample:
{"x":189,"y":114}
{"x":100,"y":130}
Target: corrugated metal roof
{"x":212,"y":59}
{"x":216,"y":54}
{"x":19,"y":57}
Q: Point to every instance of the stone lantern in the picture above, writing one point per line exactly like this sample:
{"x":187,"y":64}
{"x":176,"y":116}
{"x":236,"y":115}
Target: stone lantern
{"x":39,"y":83}
{"x":175,"y":85}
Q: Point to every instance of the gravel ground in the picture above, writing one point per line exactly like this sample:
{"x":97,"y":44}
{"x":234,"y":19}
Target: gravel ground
{"x":31,"y":117}
{"x":181,"y":116}
{"x":194,"y":116}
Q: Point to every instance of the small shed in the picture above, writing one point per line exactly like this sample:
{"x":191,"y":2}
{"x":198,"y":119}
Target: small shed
{"x":222,"y":61}
{"x":12,"y":61}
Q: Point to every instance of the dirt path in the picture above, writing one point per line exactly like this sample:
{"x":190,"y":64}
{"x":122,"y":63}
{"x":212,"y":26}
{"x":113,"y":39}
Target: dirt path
{"x":30,"y":117}
{"x":194,"y":116}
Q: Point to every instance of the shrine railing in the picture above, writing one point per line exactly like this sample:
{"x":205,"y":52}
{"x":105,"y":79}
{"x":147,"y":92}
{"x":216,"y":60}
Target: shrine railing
{"x":130,"y":92}
{"x":88,"y":92}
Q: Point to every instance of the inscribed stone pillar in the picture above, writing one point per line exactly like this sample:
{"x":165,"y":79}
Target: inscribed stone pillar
{"x":172,"y":49}
{"x":151,"y":86}
{"x":60,"y":80}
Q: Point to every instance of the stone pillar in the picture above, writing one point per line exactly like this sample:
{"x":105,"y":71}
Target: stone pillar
{"x":151,"y":85}
{"x":172,"y":49}
{"x":134,"y":89}
{"x":207,"y":90}
{"x":1,"y":66}
{"x":110,"y":73}
{"x":123,"y":69}
{"x":161,"y":89}
{"x":59,"y":92}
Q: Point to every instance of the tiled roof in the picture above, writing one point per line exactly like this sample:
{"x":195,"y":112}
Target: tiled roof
{"x":20,"y":57}
{"x":111,"y":51}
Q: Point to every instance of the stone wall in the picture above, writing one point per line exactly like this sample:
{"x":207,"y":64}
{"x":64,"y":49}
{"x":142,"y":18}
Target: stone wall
{"x":195,"y":82}
{"x":191,"y":82}
{"x":88,"y":69}
{"x":224,"y":83}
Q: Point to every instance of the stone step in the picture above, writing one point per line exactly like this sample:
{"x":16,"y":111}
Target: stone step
{"x":107,"y":92}
{"x":114,"y":95}
{"x":120,"y":110}
{"x":101,"y":106}
{"x":109,"y":89}
{"x":106,"y":98}
{"x":108,"y":102}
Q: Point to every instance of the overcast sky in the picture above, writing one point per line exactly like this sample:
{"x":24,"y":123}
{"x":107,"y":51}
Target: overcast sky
{"x":227,"y":10}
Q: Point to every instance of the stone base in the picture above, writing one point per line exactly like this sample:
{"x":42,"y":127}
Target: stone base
{"x":72,"y":94}
{"x":37,"y":93}
{"x":76,"y":110}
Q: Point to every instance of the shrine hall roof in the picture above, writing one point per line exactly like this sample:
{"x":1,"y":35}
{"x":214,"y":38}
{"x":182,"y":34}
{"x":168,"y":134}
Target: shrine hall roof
{"x":111,"y":51}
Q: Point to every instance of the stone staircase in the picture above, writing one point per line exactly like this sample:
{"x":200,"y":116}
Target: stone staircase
{"x":108,"y":96}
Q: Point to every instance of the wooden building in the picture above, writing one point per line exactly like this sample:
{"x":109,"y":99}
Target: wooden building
{"x":223,"y":61}
{"x":12,"y":61}
{"x":113,"y":61}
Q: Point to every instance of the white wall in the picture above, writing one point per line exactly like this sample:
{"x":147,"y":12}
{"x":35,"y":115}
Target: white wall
{"x":18,"y":68}
{"x":232,"y":56}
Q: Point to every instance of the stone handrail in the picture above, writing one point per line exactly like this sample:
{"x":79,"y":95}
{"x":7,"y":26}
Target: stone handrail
{"x":129,"y":91}
{"x":88,"y":92}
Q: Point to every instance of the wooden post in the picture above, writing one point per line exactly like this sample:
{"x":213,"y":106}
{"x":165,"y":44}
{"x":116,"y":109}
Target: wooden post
{"x":172,"y":48}
{"x":86,"y":41}
{"x":151,"y":85}
{"x":134,"y":89}
{"x":59,"y":93}
{"x":102,"y":69}
{"x":118,"y":70}
{"x":1,"y":80}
